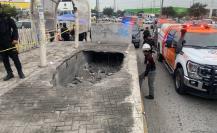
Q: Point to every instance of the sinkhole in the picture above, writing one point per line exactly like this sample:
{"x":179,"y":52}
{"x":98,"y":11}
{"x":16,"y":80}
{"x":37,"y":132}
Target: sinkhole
{"x":88,"y":67}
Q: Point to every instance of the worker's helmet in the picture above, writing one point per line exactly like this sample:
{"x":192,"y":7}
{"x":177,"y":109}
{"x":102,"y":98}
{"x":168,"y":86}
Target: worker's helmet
{"x":146,"y":47}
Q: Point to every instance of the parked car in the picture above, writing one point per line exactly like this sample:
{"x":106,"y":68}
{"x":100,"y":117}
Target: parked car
{"x":136,"y":36}
{"x":24,"y":24}
{"x":208,"y":21}
{"x":119,"y":19}
{"x":148,"y":21}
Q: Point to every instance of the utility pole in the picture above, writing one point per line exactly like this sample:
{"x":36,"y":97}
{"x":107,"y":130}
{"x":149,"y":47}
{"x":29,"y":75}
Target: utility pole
{"x":97,"y":10}
{"x":154,"y":6}
{"x":161,"y":7}
{"x":42,"y":37}
{"x":76,"y":27}
{"x":115,"y":6}
{"x":211,"y":9}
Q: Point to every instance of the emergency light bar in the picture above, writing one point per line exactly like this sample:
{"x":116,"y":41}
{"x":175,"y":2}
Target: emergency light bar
{"x":204,"y":26}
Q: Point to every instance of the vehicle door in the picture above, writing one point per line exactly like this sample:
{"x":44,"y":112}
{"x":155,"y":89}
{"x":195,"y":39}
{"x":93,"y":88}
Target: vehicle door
{"x":170,"y":47}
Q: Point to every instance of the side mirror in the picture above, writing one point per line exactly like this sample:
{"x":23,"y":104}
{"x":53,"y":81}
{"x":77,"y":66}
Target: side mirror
{"x":183,"y":42}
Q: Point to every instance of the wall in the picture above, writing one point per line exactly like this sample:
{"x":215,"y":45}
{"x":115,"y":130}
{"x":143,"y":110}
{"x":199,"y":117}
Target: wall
{"x":69,"y":69}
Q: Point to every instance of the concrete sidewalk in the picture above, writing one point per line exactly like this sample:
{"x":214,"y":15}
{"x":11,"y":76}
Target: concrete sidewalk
{"x":36,"y":105}
{"x":31,"y":60}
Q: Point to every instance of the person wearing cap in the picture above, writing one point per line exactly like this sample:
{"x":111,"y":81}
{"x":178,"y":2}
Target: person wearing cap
{"x":150,"y":71}
{"x":8,"y":40}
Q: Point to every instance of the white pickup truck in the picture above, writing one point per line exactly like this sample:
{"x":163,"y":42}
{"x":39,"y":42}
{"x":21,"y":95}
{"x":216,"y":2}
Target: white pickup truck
{"x":190,"y":53}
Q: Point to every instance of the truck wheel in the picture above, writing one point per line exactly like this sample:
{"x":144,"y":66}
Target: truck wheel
{"x":159,"y":55}
{"x":179,"y":81}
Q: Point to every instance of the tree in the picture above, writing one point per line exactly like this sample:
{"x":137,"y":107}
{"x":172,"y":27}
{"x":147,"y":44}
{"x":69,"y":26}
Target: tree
{"x":108,"y":11}
{"x":182,"y":14}
{"x":169,"y":11}
{"x":94,"y":11}
{"x":198,"y":10}
{"x":120,"y":13}
{"x":9,"y":10}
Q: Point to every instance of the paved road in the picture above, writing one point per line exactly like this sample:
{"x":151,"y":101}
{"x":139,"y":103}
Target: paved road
{"x":173,"y":113}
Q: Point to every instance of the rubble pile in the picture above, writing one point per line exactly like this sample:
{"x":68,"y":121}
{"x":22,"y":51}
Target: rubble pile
{"x":93,"y":73}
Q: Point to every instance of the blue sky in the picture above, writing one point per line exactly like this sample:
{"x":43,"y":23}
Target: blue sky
{"x":125,"y":4}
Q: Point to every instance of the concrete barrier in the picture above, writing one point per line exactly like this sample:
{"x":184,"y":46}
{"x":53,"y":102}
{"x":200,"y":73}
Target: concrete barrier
{"x":111,"y":33}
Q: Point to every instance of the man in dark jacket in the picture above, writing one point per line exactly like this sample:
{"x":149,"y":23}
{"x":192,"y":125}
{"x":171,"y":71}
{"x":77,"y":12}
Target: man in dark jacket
{"x":8,"y":40}
{"x":65,"y":33}
{"x":146,"y":35}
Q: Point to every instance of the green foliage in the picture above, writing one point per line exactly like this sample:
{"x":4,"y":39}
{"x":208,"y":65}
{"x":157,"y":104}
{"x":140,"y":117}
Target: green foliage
{"x":198,"y":10}
{"x":169,"y":11}
{"x":93,"y":11}
{"x":183,"y":14}
{"x":108,"y":11}
{"x":120,"y":13}
{"x":12,"y":11}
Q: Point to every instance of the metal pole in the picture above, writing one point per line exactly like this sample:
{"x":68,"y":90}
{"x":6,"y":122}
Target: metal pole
{"x":154,"y":6}
{"x":114,"y":5}
{"x":42,"y":37}
{"x":97,"y":10}
{"x":161,"y":7}
{"x":76,"y":29}
{"x":211,"y":9}
{"x":89,"y":25}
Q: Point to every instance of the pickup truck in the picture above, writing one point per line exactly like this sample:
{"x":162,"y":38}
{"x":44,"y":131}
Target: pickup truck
{"x":190,"y":54}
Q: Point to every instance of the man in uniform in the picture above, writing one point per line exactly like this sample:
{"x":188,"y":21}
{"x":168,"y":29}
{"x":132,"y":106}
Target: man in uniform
{"x":8,"y":40}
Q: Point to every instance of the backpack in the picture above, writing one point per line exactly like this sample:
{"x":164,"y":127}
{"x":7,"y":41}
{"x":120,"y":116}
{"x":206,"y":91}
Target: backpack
{"x":4,"y":26}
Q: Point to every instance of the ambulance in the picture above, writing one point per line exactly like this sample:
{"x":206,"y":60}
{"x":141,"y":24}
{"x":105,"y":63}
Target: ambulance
{"x":190,"y":54}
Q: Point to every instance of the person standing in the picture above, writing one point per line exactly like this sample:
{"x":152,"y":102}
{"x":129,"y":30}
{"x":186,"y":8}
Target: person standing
{"x":72,"y":33}
{"x":146,"y":35}
{"x":8,"y":40}
{"x":150,"y":71}
{"x":65,"y":33}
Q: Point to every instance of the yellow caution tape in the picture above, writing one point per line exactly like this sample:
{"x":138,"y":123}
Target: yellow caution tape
{"x":19,"y":46}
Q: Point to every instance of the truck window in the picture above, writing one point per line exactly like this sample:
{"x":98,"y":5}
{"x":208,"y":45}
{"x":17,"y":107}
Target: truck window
{"x":201,"y":39}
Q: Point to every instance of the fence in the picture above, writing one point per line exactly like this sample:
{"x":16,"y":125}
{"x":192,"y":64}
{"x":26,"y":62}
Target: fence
{"x":27,"y":40}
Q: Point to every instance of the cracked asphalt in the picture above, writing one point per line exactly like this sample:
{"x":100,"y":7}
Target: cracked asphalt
{"x":170,"y":112}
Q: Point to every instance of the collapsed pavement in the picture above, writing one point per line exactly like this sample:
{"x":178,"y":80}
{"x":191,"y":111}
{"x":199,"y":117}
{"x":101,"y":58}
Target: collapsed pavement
{"x":65,"y":97}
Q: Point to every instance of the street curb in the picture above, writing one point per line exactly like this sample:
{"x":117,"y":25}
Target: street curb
{"x":138,"y":96}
